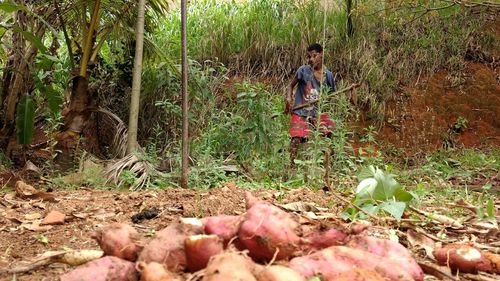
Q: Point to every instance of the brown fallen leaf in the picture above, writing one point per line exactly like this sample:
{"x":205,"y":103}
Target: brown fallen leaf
{"x":419,"y":240}
{"x":447,"y":221}
{"x":35,"y":226}
{"x":32,"y":216}
{"x":26,"y":191}
{"x":301,"y":207}
{"x":80,"y":215}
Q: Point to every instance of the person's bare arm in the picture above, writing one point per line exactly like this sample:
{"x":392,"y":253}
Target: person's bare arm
{"x":289,"y":95}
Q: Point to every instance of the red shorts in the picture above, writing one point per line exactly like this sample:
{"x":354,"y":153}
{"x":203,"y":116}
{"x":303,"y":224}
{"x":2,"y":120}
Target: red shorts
{"x":300,"y":125}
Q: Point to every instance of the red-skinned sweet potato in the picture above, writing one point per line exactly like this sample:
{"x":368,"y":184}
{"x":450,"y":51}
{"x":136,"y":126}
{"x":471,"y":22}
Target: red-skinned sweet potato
{"x":390,"y":250}
{"x":324,"y":239}
{"x":335,"y":260}
{"x":268,"y":231}
{"x":279,"y":273}
{"x":107,"y":268}
{"x":463,"y":258}
{"x":223,"y":225}
{"x":200,"y":248}
{"x":155,"y":272}
{"x":230,"y":266}
{"x":167,"y":247}
{"x":358,"y":274}
{"x":119,"y":240}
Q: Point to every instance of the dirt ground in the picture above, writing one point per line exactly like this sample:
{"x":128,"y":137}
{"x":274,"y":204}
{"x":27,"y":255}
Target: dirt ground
{"x":87,"y":210}
{"x":22,"y":238}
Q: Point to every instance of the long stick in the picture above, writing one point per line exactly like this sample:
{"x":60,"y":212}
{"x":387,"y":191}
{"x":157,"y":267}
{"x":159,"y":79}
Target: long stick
{"x":316,"y":101}
{"x":185,"y":122}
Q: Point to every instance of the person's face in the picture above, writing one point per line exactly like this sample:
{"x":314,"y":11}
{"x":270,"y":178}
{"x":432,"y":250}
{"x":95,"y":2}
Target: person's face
{"x":314,"y":58}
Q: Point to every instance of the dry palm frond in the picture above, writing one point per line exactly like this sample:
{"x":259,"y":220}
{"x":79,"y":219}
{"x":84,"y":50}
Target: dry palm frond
{"x":119,"y":143}
{"x":141,"y":168}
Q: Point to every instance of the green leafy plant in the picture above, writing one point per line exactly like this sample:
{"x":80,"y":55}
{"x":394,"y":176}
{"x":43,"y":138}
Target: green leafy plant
{"x":25,"y":120}
{"x":486,"y":205}
{"x":377,"y":192}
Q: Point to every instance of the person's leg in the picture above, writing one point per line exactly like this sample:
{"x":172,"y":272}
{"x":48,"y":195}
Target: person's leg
{"x":294,"y":148}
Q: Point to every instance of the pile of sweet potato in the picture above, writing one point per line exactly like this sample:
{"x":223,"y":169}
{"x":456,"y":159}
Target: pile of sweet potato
{"x":225,"y":248}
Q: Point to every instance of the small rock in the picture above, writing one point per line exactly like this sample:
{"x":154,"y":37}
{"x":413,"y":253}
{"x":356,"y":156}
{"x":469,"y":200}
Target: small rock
{"x":53,"y":217}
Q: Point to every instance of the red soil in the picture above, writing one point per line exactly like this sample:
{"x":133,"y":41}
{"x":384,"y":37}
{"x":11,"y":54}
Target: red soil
{"x":421,"y":119}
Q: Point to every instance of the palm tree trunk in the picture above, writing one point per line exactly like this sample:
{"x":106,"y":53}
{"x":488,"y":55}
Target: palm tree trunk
{"x":78,"y":112}
{"x":136,"y":81}
{"x":87,"y":50}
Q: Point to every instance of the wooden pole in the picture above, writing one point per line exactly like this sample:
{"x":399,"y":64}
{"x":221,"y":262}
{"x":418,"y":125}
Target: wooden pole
{"x":185,"y":123}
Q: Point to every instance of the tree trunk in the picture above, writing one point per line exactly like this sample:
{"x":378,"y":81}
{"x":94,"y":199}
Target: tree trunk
{"x":136,"y":81}
{"x":78,"y":111}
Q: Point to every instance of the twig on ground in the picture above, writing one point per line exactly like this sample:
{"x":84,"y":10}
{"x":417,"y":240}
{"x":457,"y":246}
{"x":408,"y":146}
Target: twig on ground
{"x":433,"y":270}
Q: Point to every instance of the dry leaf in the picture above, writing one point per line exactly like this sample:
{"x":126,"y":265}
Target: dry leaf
{"x":40,"y":205}
{"x":419,"y":240}
{"x":80,"y":215}
{"x":26,"y":191}
{"x":35,"y":226}
{"x":32,"y":216}
{"x":447,"y":221}
{"x":301,"y":207}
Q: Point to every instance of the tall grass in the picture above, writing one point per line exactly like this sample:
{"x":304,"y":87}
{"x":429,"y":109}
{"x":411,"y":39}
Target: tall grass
{"x":263,"y":36}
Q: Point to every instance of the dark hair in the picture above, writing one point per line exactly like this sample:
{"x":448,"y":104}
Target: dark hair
{"x":315,"y":47}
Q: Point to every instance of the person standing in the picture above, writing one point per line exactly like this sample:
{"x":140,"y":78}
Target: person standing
{"x":311,"y":80}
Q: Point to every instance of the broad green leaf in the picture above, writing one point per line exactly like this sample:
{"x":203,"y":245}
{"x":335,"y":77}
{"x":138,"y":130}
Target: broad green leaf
{"x":366,"y":187}
{"x":24,"y":120}
{"x":394,"y":208}
{"x":370,"y":209}
{"x":368,"y":172}
{"x":487,"y":186}
{"x":402,"y":195}
{"x":386,"y":187}
{"x":10,"y":7}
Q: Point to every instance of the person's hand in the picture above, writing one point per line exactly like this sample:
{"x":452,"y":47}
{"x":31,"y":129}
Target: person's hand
{"x":354,"y":95}
{"x":288,"y":106}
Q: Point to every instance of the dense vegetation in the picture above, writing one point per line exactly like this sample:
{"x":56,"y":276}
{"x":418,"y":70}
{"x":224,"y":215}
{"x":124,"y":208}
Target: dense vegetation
{"x":241,"y":55}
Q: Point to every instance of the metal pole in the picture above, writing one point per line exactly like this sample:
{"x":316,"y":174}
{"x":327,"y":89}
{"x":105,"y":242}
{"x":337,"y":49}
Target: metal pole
{"x":185,"y":124}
